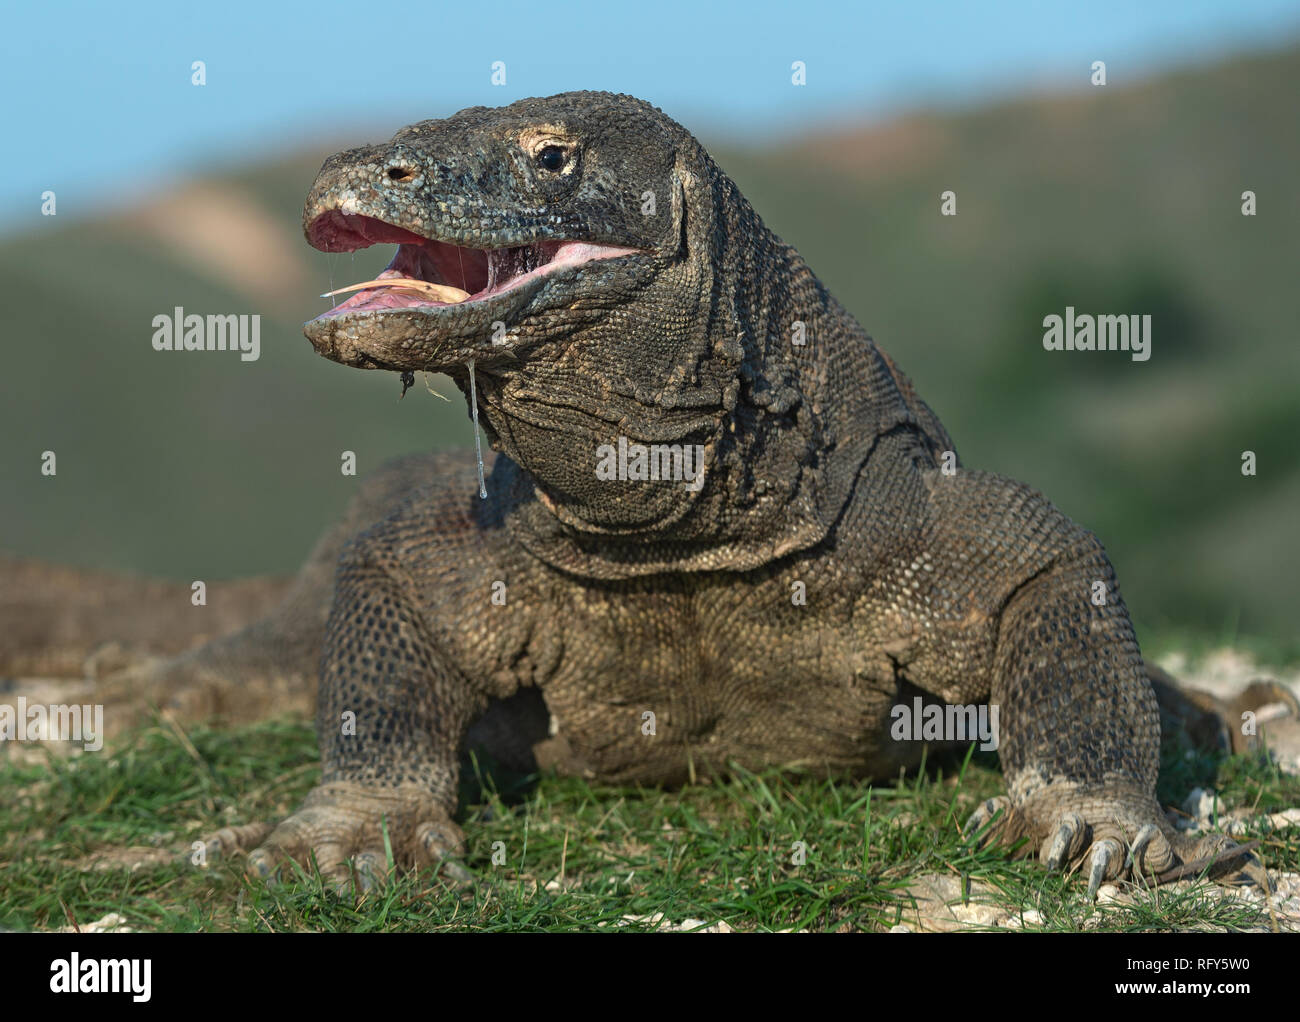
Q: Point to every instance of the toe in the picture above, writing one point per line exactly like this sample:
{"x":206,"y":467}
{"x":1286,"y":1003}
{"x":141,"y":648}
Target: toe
{"x":371,"y":869}
{"x":1105,"y":861}
{"x":229,"y":840}
{"x":441,"y":842}
{"x":1216,"y":855}
{"x":1150,"y":851}
{"x":264,"y":862}
{"x":1065,"y":842}
{"x":303,"y":837}
{"x":984,"y":815}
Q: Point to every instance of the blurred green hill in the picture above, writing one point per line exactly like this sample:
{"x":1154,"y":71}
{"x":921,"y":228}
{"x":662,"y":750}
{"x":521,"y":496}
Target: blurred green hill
{"x":1113,"y":200}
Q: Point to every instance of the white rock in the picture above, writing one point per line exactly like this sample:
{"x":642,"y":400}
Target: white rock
{"x":1107,"y":893}
{"x":111,"y":923}
{"x":1200,"y":804}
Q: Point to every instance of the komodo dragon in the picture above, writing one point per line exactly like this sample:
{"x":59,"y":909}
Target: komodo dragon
{"x":799,"y":553}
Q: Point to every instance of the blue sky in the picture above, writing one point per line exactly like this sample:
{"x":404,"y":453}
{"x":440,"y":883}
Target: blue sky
{"x":99,"y":104}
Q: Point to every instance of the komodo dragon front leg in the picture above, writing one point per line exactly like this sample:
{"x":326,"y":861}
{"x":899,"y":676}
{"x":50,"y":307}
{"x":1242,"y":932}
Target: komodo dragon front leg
{"x":1079,"y":722}
{"x":393,"y":778}
{"x":409,"y":669}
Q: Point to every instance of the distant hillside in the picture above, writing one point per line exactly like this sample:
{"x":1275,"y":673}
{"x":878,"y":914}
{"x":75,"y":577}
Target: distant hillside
{"x":1112,"y":200}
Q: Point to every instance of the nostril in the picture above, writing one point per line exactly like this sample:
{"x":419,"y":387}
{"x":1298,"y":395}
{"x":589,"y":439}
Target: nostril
{"x":399,"y":173}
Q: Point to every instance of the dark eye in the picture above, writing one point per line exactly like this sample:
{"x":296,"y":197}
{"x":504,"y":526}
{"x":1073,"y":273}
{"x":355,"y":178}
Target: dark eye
{"x":551,"y":158}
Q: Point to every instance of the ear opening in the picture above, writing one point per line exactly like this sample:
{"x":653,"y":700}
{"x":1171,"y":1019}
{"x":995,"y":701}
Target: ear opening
{"x":698,"y":187}
{"x":692,"y":203}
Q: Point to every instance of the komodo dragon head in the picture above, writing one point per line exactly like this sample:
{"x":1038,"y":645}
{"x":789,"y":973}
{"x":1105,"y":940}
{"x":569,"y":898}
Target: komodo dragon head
{"x":584,"y":255}
{"x":548,"y":214}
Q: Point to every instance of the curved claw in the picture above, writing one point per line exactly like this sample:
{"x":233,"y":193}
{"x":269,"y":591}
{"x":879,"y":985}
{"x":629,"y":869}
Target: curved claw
{"x":1069,"y":833}
{"x":443,"y":846}
{"x":371,"y":870}
{"x":1140,"y":842}
{"x":263,"y":865}
{"x":983,"y":815}
{"x":1105,"y":854}
{"x":1060,"y":847}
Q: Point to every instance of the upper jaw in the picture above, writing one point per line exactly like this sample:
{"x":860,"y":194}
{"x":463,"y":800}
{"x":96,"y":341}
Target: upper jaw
{"x":394,"y":328}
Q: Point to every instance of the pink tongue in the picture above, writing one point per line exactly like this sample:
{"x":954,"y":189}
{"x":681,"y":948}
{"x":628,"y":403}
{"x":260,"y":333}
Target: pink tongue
{"x":385,"y":299}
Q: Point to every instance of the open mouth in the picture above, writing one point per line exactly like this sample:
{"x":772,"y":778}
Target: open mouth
{"x":477,"y":273}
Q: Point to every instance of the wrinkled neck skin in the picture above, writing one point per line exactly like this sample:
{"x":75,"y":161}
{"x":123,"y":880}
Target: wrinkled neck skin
{"x":700,"y":353}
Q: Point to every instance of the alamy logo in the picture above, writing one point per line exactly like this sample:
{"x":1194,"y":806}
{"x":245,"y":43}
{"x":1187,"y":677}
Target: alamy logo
{"x":1098,"y":333}
{"x":57,"y":722}
{"x":682,"y":463}
{"x":944,"y":723}
{"x":75,"y":975}
{"x":179,"y":332}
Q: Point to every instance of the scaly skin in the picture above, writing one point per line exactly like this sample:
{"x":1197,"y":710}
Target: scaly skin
{"x":822,"y":467}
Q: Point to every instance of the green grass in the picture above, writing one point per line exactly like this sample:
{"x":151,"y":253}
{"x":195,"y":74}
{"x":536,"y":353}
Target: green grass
{"x":577,"y":857}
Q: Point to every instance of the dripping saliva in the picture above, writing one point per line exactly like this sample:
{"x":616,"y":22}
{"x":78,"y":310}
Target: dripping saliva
{"x":478,"y":447}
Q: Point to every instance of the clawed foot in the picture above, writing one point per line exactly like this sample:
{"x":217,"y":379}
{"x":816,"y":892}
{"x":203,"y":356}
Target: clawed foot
{"x":348,"y":830}
{"x":1107,"y":838}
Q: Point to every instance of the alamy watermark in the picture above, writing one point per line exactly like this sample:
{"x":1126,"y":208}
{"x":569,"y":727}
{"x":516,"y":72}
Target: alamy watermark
{"x":939,"y":722}
{"x":681,"y":463}
{"x":1098,"y":333}
{"x":77,"y":975}
{"x":180,"y":332}
{"x":57,"y":722}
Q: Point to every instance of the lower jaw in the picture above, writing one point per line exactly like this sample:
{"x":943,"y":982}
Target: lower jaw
{"x":422,"y":338}
{"x":435,"y":336}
